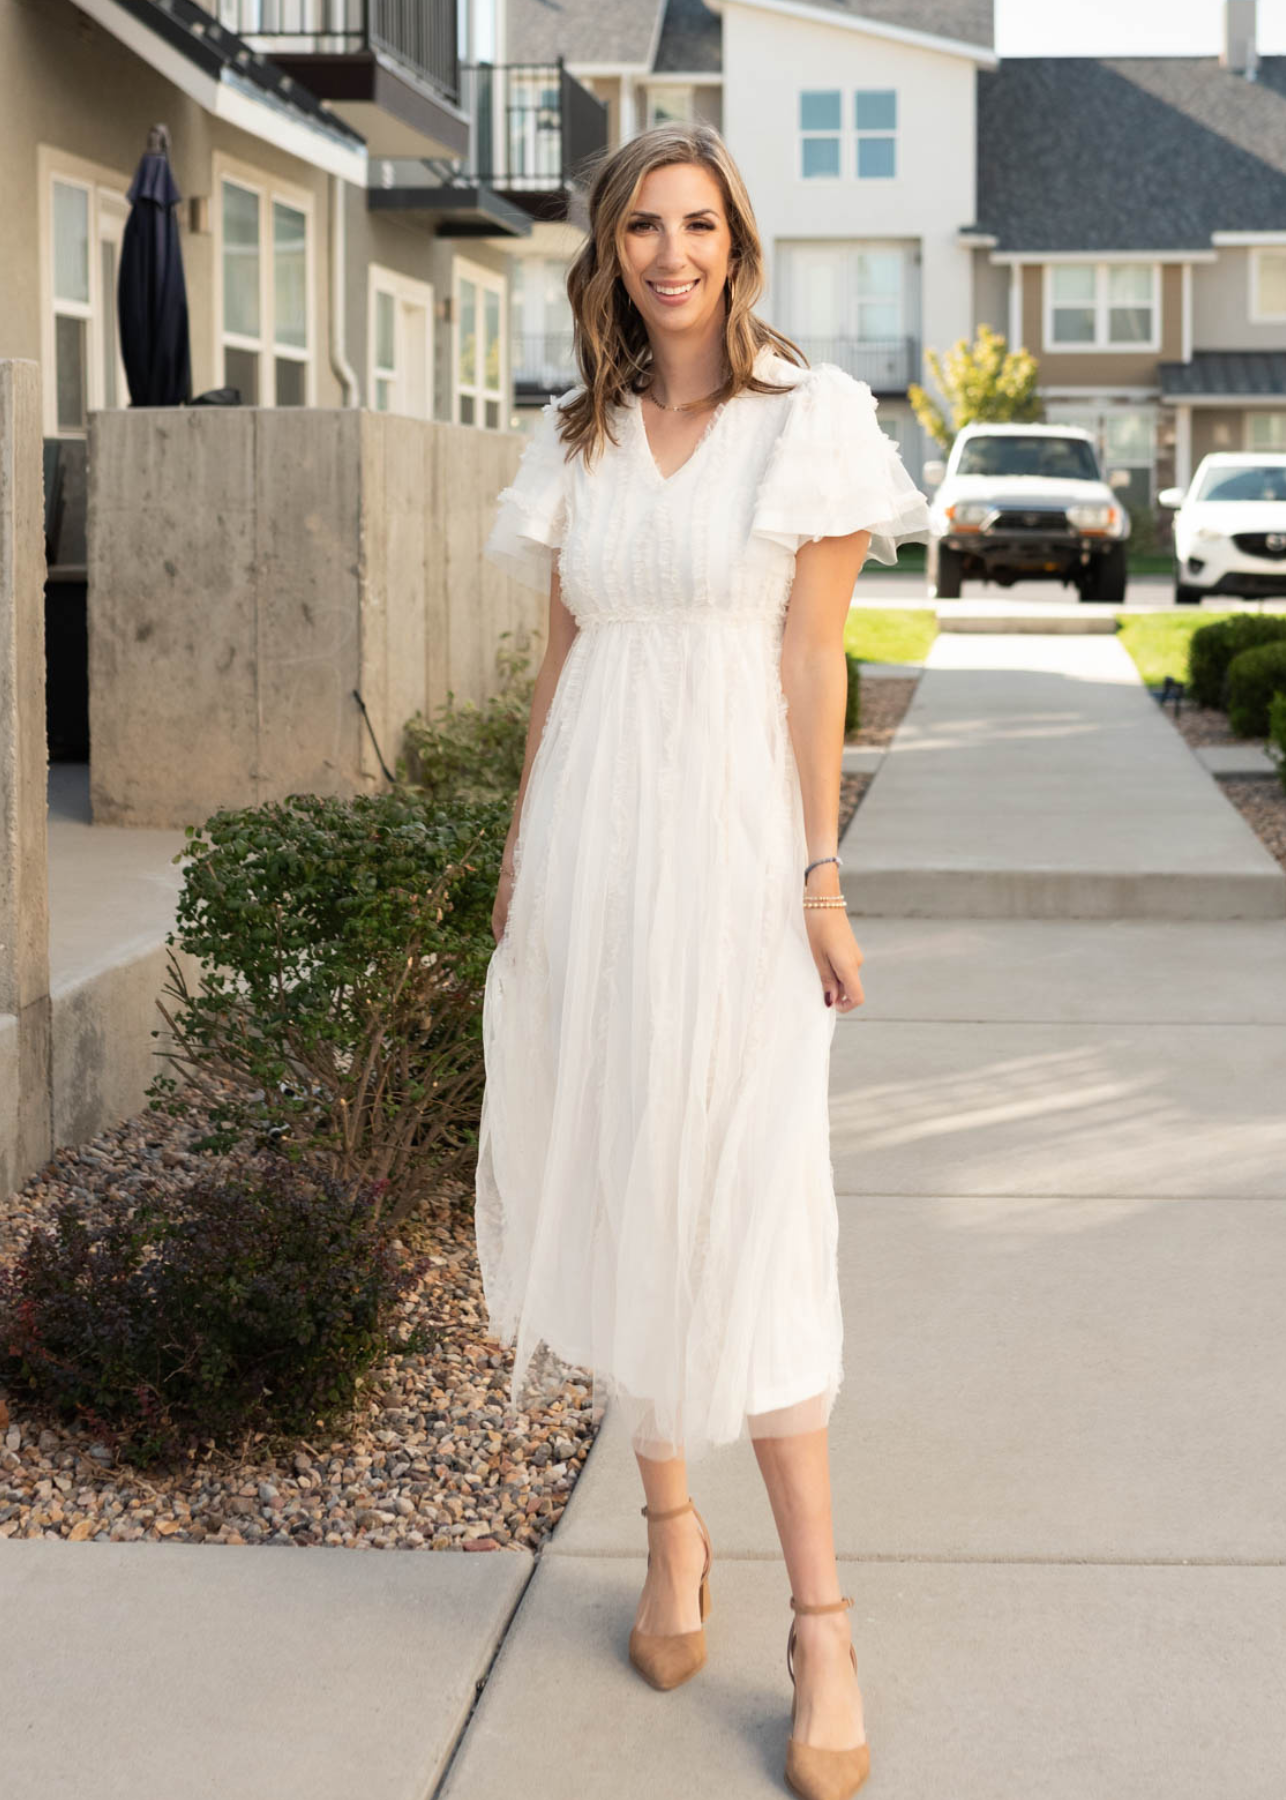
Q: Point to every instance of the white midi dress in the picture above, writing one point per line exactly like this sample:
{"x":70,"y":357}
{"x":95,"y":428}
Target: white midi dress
{"x":655,"y":1197}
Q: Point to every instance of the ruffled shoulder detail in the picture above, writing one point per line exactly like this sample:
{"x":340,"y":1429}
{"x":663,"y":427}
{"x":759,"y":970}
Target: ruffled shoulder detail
{"x":532,"y":512}
{"x":832,"y":471}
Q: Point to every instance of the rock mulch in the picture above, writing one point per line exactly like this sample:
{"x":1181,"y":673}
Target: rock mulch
{"x":428,"y":1463}
{"x":885,"y":700}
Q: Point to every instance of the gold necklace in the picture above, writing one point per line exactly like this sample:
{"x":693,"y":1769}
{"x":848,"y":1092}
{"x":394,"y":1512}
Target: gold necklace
{"x":682,"y":406}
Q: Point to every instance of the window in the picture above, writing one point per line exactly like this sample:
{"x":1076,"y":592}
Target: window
{"x":1101,"y":306}
{"x":265,"y":291}
{"x":819,"y":126}
{"x":1268,"y":284}
{"x":401,"y":344}
{"x":1266,"y":431}
{"x":82,"y":219}
{"x":670,"y":103}
{"x":876,"y":118}
{"x":479,"y":377}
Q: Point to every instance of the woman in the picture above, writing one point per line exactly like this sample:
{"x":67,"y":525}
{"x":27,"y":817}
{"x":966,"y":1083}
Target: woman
{"x":655,"y":1197}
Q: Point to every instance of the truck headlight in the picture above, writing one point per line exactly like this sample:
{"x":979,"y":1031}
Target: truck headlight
{"x":1100,"y":519}
{"x":969,"y":515}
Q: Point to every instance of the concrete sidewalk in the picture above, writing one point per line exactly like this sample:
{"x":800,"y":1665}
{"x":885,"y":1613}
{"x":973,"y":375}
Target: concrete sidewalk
{"x":1060,"y":1450}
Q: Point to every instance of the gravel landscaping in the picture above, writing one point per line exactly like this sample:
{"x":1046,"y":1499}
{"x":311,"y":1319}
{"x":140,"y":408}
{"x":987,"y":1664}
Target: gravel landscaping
{"x":885,"y":699}
{"x":428,"y":1464}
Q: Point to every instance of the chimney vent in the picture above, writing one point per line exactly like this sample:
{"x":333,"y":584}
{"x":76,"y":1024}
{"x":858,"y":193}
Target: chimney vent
{"x":1240,"y":37}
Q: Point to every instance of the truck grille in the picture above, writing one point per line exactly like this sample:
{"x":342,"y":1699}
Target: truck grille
{"x":1033,"y":519}
{"x":1271,"y":544}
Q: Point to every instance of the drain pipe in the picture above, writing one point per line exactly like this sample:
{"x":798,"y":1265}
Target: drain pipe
{"x":344,"y":372}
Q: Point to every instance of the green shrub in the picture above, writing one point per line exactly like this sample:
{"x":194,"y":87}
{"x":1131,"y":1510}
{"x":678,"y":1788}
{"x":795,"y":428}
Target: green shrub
{"x":853,"y":706}
{"x":1277,"y":734}
{"x":1254,"y":677}
{"x":1212,"y":647}
{"x":469,"y":752}
{"x":344,"y":947}
{"x":252,"y":1303}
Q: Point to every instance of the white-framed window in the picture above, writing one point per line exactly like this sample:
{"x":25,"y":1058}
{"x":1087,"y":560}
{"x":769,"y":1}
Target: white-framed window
{"x":1268,"y":284}
{"x":820,"y":133}
{"x":478,"y":311}
{"x":673,"y":102}
{"x":1265,"y":430}
{"x":264,"y":259}
{"x":875,"y":116}
{"x":1102,"y":306}
{"x":400,"y":343}
{"x":82,"y":213}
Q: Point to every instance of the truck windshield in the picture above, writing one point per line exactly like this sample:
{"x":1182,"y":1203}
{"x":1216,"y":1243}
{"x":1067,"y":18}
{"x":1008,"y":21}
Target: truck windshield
{"x":1055,"y":458}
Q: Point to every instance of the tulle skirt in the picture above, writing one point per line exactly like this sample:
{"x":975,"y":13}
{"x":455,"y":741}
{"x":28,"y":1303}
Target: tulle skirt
{"x":655,"y":1196}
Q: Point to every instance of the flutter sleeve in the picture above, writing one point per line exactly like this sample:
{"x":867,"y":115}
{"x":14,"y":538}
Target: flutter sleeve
{"x":832,"y":471}
{"x":531,"y":513}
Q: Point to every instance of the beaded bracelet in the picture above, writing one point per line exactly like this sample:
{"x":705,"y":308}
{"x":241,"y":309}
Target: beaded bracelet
{"x":817,"y":865}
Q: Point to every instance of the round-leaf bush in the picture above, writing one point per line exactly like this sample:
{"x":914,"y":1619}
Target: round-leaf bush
{"x":1254,"y":678}
{"x":252,"y":1302}
{"x":1277,"y":734}
{"x":1212,"y":647}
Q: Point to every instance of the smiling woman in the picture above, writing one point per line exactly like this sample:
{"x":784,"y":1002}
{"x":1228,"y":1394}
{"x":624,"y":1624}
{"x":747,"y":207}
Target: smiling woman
{"x":655,"y":1199}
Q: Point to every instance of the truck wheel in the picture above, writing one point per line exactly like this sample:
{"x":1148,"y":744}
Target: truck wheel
{"x":1106,"y":582}
{"x":946,"y":575}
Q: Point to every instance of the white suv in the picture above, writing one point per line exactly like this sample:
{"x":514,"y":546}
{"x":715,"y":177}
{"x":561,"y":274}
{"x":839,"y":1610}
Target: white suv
{"x":1026,"y":503}
{"x":1230,"y":527}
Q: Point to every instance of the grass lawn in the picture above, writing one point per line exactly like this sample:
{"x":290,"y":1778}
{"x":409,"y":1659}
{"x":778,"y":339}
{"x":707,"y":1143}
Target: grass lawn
{"x":1158,"y":642}
{"x":890,"y":633}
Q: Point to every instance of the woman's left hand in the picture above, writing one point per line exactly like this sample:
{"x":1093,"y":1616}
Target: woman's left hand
{"x":838,"y":956}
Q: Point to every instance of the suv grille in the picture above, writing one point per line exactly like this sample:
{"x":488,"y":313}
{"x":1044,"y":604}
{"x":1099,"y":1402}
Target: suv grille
{"x":1020,"y":519}
{"x":1271,"y":544}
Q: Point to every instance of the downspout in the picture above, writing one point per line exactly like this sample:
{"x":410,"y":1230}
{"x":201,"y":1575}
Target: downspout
{"x":339,"y":362}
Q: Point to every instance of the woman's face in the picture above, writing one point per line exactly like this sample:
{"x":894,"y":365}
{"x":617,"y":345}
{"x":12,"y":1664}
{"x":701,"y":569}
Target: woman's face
{"x":677,"y":237}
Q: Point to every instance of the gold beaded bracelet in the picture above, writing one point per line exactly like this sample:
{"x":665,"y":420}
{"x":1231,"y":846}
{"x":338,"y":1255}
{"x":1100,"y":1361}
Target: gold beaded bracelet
{"x":826,"y":900}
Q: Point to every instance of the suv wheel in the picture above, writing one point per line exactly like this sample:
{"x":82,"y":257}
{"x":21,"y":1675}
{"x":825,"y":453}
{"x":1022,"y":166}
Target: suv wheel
{"x":946,"y":572}
{"x":1107,"y":579}
{"x":1185,"y":595}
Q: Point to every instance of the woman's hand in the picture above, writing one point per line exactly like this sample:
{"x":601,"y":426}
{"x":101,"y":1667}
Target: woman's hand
{"x":837,"y":955}
{"x":504,"y":894}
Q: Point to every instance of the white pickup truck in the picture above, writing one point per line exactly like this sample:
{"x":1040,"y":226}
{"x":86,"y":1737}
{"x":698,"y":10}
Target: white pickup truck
{"x":1026,"y":503}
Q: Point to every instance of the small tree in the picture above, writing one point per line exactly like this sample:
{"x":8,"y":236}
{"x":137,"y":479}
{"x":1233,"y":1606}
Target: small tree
{"x":983,"y":382}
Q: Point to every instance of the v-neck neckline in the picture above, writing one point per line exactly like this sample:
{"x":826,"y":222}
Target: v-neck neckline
{"x":640,"y":426}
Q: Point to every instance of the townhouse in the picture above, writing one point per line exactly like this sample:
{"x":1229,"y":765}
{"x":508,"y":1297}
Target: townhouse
{"x":1131,"y":232}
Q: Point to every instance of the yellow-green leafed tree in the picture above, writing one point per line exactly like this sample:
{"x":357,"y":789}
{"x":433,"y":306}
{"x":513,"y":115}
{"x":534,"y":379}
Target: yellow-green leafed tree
{"x":983,"y":382}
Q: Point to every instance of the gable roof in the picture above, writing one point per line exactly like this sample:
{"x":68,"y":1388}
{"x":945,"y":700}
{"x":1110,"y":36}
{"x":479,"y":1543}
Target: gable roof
{"x":691,"y":39}
{"x":961,"y":21}
{"x":1130,"y":153}
{"x":583,"y":31}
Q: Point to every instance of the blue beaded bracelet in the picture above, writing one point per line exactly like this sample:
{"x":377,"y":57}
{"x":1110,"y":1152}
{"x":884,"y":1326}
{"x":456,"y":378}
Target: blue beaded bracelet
{"x":817,"y":865}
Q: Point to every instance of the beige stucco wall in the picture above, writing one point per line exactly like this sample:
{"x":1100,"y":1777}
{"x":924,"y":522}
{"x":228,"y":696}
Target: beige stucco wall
{"x":1221,"y":307}
{"x":991,"y":294}
{"x":1217,"y":428}
{"x":69,"y":84}
{"x":1110,"y":368}
{"x":330,"y":550}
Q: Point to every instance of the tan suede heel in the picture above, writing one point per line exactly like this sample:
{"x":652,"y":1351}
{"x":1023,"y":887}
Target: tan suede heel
{"x":812,"y":1773}
{"x":668,"y":1658}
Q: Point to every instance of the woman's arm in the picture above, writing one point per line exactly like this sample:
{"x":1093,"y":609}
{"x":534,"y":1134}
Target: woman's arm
{"x":814,"y":679}
{"x":562,"y":630}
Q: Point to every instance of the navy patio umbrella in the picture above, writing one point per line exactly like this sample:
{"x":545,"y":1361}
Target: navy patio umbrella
{"x":151,"y":296}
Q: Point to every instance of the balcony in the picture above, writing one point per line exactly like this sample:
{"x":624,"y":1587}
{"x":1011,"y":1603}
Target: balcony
{"x":388,"y":68}
{"x":887,"y":365}
{"x":543,"y":364}
{"x":533,"y":130}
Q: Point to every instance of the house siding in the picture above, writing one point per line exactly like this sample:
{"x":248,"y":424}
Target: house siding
{"x":1217,"y":428}
{"x":1221,"y":307}
{"x":1109,"y":368}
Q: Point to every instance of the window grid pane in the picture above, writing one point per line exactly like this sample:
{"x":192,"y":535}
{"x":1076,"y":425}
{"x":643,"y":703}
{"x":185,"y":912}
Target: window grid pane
{"x":468,"y":353}
{"x":1130,"y":325}
{"x":71,"y":243}
{"x":821,"y":157}
{"x":384,"y":341}
{"x":69,"y":371}
{"x":491,"y":338}
{"x":289,"y":275}
{"x":876,"y":109}
{"x":1073,"y":281}
{"x":1272,"y":282}
{"x":1073,"y":325}
{"x":107,"y":260}
{"x":819,"y":110}
{"x":240,"y":261}
{"x":876,"y":158}
{"x":1129,"y":284}
{"x":1268,"y":431}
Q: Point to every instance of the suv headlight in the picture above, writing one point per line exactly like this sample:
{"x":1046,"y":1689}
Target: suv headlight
{"x":1101,"y":518}
{"x":969,"y":515}
{"x":1207,"y":532}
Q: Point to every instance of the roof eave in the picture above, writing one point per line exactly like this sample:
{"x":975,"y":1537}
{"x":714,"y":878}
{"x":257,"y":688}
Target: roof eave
{"x":898,"y":34}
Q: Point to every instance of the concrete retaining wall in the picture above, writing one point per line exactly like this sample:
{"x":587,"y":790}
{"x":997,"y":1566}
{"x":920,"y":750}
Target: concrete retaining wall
{"x":248,"y":569}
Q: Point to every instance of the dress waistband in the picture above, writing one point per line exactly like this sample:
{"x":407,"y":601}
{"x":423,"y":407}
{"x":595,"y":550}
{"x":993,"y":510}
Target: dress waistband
{"x":667,"y":615}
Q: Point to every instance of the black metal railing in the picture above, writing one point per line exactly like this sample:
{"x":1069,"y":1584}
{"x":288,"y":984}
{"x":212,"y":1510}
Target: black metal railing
{"x":887,"y":365}
{"x":543,"y":361}
{"x":420,"y":35}
{"x":536,"y":126}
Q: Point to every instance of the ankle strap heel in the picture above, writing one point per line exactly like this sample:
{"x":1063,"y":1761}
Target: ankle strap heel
{"x":811,"y":1773}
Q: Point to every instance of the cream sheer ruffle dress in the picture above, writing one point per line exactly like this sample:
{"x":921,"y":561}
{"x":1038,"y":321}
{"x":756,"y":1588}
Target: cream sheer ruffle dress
{"x":655,"y":1197}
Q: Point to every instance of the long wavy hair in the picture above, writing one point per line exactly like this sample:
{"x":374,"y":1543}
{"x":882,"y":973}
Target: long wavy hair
{"x":612,"y":349}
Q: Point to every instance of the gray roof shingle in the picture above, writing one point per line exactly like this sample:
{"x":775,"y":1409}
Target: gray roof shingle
{"x":967,"y":21}
{"x":691,"y":39}
{"x":1239,"y":374}
{"x":1132,"y":153}
{"x":583,"y":31}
